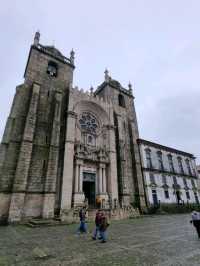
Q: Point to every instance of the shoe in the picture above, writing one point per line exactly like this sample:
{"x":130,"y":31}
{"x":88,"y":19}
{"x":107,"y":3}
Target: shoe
{"x":100,"y":238}
{"x":94,"y":238}
{"x":103,"y":241}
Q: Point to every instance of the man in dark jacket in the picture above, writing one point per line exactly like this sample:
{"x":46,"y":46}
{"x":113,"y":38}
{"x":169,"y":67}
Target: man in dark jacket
{"x":103,"y":227}
{"x":97,"y":225}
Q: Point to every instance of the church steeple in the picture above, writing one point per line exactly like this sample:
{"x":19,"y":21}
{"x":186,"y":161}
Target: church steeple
{"x":52,"y":64}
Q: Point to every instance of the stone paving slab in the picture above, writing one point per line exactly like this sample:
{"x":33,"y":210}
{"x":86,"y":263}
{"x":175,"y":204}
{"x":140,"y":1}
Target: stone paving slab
{"x":157,"y":240}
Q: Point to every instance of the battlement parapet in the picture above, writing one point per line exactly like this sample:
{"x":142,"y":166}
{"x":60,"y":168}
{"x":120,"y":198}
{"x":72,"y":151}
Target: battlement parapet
{"x":89,"y":96}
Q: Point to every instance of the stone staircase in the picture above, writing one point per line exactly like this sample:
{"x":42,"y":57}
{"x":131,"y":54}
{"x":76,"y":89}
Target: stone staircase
{"x":73,"y":217}
{"x":43,"y":222}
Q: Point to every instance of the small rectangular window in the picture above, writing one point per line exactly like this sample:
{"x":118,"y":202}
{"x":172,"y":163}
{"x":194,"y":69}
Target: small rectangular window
{"x":155,"y":198}
{"x":44,"y":165}
{"x":166,"y":194}
{"x":193,"y":183}
{"x":164,"y":180}
{"x":175,"y":180}
{"x":185,"y":182}
{"x":152,"y":178}
{"x":187,"y":195}
{"x":121,"y":100}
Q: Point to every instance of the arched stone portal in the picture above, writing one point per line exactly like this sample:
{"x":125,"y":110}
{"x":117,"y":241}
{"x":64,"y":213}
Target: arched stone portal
{"x":91,"y":159}
{"x":90,"y":167}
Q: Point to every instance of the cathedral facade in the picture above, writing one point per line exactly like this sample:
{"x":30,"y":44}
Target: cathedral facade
{"x":63,"y":147}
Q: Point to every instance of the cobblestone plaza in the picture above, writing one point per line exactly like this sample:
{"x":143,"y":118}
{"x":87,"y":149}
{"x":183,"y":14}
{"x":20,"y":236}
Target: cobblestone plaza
{"x":154,"y":240}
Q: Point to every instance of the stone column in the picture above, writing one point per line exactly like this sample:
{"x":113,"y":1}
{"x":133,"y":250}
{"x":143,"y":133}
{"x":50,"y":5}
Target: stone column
{"x":76,"y":181}
{"x":21,"y":174}
{"x":66,"y":197}
{"x":78,"y":196}
{"x":52,"y":168}
{"x":104,"y":187}
{"x":112,"y":174}
{"x":102,"y":192}
{"x":103,"y":177}
{"x":100,"y":179}
{"x":81,"y":179}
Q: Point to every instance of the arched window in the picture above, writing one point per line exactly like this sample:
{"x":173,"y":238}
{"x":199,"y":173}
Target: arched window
{"x":52,"y":69}
{"x":121,"y":100}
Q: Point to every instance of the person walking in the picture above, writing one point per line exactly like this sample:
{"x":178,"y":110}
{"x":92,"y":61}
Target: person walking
{"x":103,"y":228}
{"x":196,"y":221}
{"x":82,"y":226}
{"x":97,"y":225}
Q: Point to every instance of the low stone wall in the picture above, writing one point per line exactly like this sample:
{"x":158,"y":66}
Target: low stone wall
{"x":125,"y":213}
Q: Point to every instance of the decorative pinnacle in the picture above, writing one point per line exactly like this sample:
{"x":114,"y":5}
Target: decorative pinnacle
{"x":72,"y":53}
{"x":130,"y":87}
{"x":106,"y":75}
{"x":36,"y":38}
{"x":91,"y":90}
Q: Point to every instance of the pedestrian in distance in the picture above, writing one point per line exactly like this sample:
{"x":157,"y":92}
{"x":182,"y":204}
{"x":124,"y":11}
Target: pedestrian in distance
{"x":196,"y":221}
{"x":82,"y":226}
{"x":96,"y":232}
{"x":103,"y":227}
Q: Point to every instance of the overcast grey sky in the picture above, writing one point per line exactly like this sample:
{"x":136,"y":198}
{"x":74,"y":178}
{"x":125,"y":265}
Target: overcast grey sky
{"x":154,"y":44}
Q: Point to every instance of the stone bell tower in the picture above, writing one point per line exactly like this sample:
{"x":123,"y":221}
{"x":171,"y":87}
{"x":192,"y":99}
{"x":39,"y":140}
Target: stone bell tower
{"x":32,"y":148}
{"x":130,"y":180}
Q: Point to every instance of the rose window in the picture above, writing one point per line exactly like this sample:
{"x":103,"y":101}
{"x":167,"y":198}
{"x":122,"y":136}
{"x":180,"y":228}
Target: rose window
{"x":88,"y":123}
